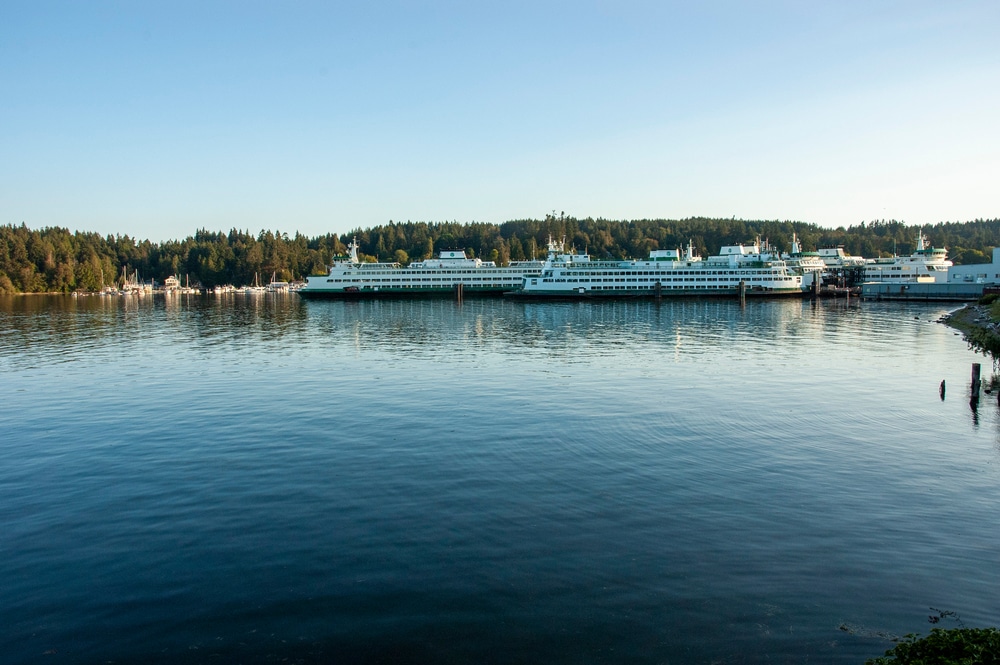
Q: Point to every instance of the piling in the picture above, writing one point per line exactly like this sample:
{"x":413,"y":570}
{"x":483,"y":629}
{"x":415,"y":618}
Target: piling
{"x":815,"y":285}
{"x":459,"y":292}
{"x":976,"y":371}
{"x":941,"y":390}
{"x":743,"y":292}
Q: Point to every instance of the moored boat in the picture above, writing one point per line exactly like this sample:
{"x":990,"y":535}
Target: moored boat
{"x":276,"y":285}
{"x":925,"y":264}
{"x":750,"y":269}
{"x":349,"y":277}
{"x":808,"y":264}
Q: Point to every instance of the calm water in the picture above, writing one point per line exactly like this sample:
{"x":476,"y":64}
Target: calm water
{"x":209,"y":479}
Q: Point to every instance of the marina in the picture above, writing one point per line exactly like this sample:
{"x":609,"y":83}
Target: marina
{"x":754,"y":270}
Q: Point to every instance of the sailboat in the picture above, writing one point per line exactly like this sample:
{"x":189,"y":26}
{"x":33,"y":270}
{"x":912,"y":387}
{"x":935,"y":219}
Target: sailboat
{"x":130,"y":285}
{"x":108,"y":290}
{"x":256,"y":288}
{"x":275,"y":285}
{"x":187,"y":287}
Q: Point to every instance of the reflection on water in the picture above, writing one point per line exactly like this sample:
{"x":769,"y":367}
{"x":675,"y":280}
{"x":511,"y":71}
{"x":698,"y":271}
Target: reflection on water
{"x":63,"y":325}
{"x":255,"y":479}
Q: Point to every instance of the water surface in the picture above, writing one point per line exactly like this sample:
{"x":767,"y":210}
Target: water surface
{"x":264,"y":479}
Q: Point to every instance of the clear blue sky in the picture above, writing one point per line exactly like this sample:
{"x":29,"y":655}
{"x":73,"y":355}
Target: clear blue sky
{"x":158,"y":118}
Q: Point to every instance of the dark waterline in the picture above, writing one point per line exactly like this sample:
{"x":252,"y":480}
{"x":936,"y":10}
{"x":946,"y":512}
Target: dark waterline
{"x":240,"y":479}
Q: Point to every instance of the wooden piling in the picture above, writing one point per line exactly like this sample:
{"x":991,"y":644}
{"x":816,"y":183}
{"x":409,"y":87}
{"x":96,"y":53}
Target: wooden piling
{"x":976,"y":373}
{"x":743,"y":292}
{"x":459,"y":288}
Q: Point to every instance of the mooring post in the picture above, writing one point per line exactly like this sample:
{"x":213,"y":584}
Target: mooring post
{"x":743,"y":292}
{"x":976,"y":370}
{"x":941,"y":390}
{"x":458,"y":292}
{"x":815,"y":285}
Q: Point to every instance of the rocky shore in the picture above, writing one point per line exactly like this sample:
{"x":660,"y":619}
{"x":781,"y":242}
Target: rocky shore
{"x":980,"y":325}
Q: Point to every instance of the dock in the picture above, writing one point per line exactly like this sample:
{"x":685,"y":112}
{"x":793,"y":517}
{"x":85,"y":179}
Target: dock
{"x":922,"y":291}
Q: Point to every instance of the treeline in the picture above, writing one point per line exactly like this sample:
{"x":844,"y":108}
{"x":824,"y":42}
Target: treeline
{"x":57,"y":260}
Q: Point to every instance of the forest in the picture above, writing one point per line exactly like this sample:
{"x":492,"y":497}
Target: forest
{"x":58,"y":260}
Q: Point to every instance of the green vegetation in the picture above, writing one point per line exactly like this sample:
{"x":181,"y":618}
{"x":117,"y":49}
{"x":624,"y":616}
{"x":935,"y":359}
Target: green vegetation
{"x":954,"y":646}
{"x":980,"y":325}
{"x":56,"y":260}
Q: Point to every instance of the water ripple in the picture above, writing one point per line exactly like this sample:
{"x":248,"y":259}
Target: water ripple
{"x":265,"y":479}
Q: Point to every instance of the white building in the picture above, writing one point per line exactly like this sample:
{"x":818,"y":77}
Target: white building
{"x":977,"y":273}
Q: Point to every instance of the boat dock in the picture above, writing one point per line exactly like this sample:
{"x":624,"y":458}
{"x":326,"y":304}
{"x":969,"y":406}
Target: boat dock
{"x":922,"y":291}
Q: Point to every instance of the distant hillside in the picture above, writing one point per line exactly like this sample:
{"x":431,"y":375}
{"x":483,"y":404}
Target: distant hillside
{"x":56,"y":260}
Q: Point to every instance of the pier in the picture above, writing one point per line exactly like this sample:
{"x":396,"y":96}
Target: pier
{"x":922,"y":291}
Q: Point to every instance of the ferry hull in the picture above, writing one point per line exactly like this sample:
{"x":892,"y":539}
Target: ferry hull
{"x":399,"y":294}
{"x":650,"y":294}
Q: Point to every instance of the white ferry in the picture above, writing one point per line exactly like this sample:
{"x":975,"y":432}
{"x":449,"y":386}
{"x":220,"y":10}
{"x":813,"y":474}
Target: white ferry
{"x":925,"y":264}
{"x":667,"y":272}
{"x":351,"y":278}
{"x":836,"y":258}
{"x":808,"y":264}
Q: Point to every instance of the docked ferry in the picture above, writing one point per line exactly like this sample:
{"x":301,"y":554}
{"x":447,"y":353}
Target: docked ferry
{"x":750,"y":269}
{"x":808,"y":264}
{"x":351,"y":278}
{"x":925,"y":264}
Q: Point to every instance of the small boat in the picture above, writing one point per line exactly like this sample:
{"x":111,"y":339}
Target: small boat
{"x":276,"y":285}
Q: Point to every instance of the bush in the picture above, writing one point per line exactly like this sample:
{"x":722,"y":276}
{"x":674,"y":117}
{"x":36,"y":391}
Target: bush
{"x":956,"y":646}
{"x":989,"y":298}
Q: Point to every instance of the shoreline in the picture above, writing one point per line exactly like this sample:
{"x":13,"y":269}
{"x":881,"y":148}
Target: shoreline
{"x":979,"y":325}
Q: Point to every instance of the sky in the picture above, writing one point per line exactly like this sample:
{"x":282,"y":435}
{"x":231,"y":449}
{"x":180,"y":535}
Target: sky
{"x":156,"y":119}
